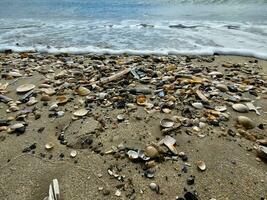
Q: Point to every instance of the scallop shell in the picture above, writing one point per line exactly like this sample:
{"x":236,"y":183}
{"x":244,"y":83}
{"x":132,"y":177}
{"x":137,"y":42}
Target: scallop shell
{"x":166,"y":123}
{"x":201,"y":165}
{"x":62,"y":99}
{"x":49,"y":146}
{"x":141,"y":100}
{"x":82,"y":91}
{"x":240,"y":108}
{"x":80,"y":113}
{"x":73,"y":153}
{"x":25,"y":87}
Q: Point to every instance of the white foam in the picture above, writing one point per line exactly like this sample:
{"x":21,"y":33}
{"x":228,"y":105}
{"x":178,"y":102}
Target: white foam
{"x":96,"y":50}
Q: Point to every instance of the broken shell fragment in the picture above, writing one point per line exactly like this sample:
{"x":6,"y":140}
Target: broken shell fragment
{"x":246,"y":122}
{"x":73,"y":153}
{"x":170,"y":142}
{"x":141,"y":100}
{"x":49,"y":146}
{"x":25,"y":88}
{"x":240,"y":108}
{"x":80,"y":113}
{"x":120,"y":118}
{"x":54,"y":190}
{"x":201,"y":165}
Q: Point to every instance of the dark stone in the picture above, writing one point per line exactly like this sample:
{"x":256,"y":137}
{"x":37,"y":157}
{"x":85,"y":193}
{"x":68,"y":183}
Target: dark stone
{"x":190,"y":196}
{"x":30,"y":148}
{"x":20,"y":131}
{"x":40,"y":130}
{"x":4,"y":122}
{"x":190,"y":180}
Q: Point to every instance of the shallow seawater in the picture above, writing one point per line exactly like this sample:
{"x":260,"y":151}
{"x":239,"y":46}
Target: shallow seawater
{"x":135,"y":26}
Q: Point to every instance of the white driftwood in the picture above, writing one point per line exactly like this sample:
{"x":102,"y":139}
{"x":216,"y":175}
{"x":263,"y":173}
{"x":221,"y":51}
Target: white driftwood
{"x":114,"y":76}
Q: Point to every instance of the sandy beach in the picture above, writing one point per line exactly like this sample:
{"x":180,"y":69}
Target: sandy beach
{"x":133,"y":127}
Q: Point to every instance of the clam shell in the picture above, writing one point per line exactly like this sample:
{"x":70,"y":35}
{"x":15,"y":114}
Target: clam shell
{"x":82,"y":91}
{"x":62,"y":99}
{"x":246,"y":122}
{"x":73,"y":153}
{"x":141,"y":100}
{"x":49,"y":146}
{"x":166,"y":123}
{"x":120,"y":117}
{"x":201,"y":165}
{"x":154,"y":187}
{"x":240,"y":108}
{"x":80,"y":113}
{"x":25,"y":88}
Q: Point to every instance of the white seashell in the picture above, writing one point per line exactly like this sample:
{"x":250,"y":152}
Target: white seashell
{"x":132,"y":154}
{"x":166,"y":123}
{"x":73,"y":153}
{"x":240,"y":108}
{"x":49,"y":146}
{"x":220,"y":108}
{"x":201,"y":165}
{"x":16,"y":126}
{"x":25,"y":87}
{"x":170,"y":142}
{"x":80,"y":113}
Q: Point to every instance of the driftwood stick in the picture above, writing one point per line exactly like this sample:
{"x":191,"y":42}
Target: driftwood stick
{"x":114,"y":76}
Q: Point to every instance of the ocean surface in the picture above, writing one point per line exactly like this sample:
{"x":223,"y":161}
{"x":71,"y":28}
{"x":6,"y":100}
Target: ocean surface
{"x":200,"y":27}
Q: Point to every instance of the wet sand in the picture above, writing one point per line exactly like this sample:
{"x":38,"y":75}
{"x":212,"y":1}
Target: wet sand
{"x":233,"y":168}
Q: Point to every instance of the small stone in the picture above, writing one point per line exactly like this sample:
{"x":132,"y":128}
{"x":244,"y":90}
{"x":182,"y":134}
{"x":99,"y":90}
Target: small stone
{"x":198,"y":105}
{"x":154,"y":187}
{"x":118,"y":193}
{"x":246,"y":122}
{"x":240,"y":108}
{"x":190,"y":180}
{"x":151,"y":152}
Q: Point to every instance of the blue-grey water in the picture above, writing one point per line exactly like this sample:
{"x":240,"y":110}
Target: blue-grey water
{"x":135,"y":26}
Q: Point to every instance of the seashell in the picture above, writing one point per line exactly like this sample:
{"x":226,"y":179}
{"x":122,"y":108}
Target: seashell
{"x":132,"y":154}
{"x":201,"y":165}
{"x":262,"y":151}
{"x":154,"y":187}
{"x":120,"y":118}
{"x":82,"y":91}
{"x":246,"y":122}
{"x":49,"y":146}
{"x":102,"y":95}
{"x":170,"y":142}
{"x":48,"y":91}
{"x":25,"y":88}
{"x":198,"y":105}
{"x":220,"y":108}
{"x":166,"y":123}
{"x":240,"y":108}
{"x":80,"y":113}
{"x":14,"y":74}
{"x":151,"y":152}
{"x":141,"y":100}
{"x":53,"y":107}
{"x":62,"y":99}
{"x":54,"y":190}
{"x":45,"y":97}
{"x":32,"y":101}
{"x":16,"y":126}
{"x":166,"y":110}
{"x":149,"y":173}
{"x":73,"y":153}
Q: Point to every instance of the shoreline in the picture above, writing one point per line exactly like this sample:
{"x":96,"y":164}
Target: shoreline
{"x":103,"y":117}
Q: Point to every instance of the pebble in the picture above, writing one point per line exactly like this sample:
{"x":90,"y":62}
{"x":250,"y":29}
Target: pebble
{"x":246,"y":122}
